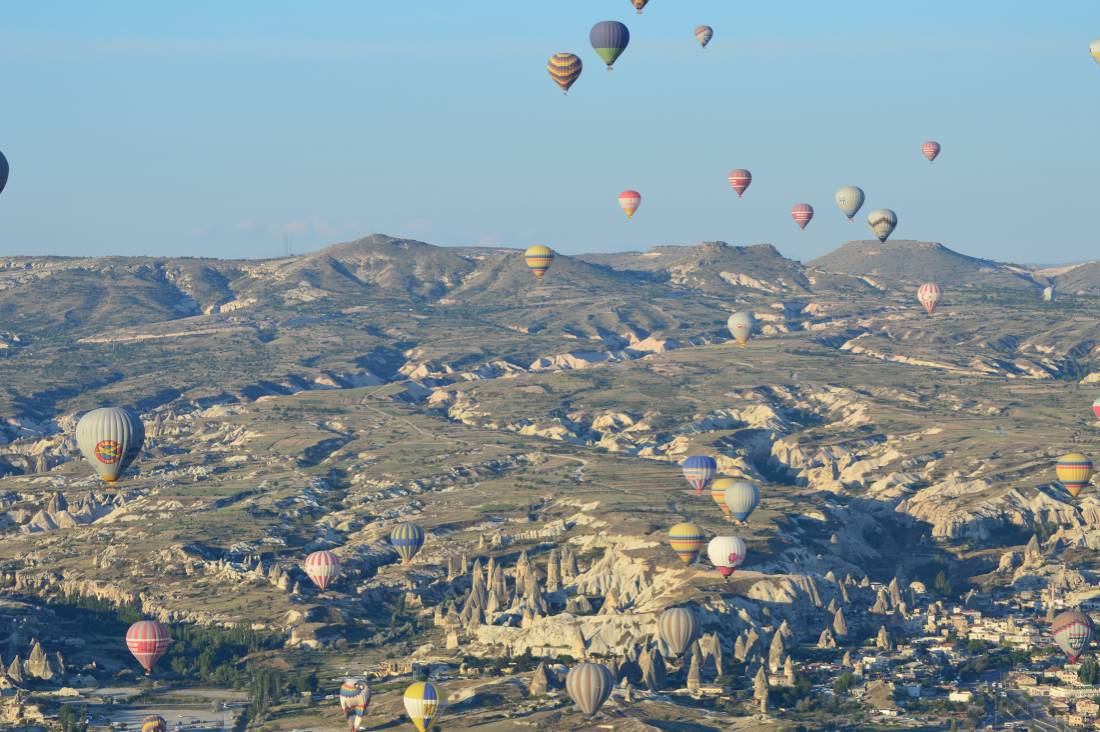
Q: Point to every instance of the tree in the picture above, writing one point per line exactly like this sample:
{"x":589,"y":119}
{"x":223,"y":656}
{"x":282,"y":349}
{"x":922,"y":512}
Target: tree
{"x":844,"y":683}
{"x":1089,"y":673}
{"x":942,"y":584}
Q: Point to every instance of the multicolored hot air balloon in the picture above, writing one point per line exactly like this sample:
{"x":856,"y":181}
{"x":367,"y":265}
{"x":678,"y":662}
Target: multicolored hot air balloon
{"x":802,"y":213}
{"x":741,"y":325}
{"x":148,"y":640}
{"x":1074,"y":471}
{"x":677,"y":627}
{"x":1096,"y":407}
{"x":741,"y":498}
{"x":930,"y":150}
{"x":609,"y":38}
{"x":849,"y":200}
{"x":3,"y":172}
{"x":726,"y":553}
{"x":638,"y":5}
{"x":407,"y":540}
{"x":929,"y":295}
{"x":110,"y":439}
{"x":322,"y":568}
{"x":1072,"y":631}
{"x":718,"y":494}
{"x":740,"y":180}
{"x":423,"y":701}
{"x":354,"y":700}
{"x":565,"y":69}
{"x":882,"y":221}
{"x":539,"y":259}
{"x":154,"y":723}
{"x":687,"y":540}
{"x":630,"y":200}
{"x":1094,"y":49}
{"x":703,"y":34}
{"x":699,"y":470}
{"x":589,"y":685}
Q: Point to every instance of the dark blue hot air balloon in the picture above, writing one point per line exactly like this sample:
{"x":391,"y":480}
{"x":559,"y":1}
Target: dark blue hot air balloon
{"x":699,"y":471}
{"x":3,"y":172}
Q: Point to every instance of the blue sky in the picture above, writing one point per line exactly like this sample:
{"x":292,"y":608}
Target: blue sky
{"x":212,"y":129}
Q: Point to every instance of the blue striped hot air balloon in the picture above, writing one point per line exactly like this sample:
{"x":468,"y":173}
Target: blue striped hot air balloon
{"x":407,"y":540}
{"x":609,"y":38}
{"x":423,"y":701}
{"x":699,"y":470}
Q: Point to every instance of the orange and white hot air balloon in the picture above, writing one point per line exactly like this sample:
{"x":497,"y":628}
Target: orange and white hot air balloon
{"x":802,"y":213}
{"x":929,"y":294}
{"x":930,"y":150}
{"x":630,"y":200}
{"x":740,"y":180}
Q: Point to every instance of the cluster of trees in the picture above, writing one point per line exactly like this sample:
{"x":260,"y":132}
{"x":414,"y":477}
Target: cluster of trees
{"x":1089,"y":673}
{"x":73,"y":718}
{"x":269,"y":687}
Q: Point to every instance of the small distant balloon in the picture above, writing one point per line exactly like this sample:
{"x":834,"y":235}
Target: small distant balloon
{"x":1072,"y":631}
{"x":154,"y":723}
{"x":930,"y":150}
{"x":929,"y":295}
{"x":1094,"y":49}
{"x":110,"y":439}
{"x":686,"y":540}
{"x":589,"y":685}
{"x":407,"y":540}
{"x":539,"y":259}
{"x":565,"y":69}
{"x":609,"y":38}
{"x":849,"y":200}
{"x":423,"y":702}
{"x":354,"y":699}
{"x":148,"y":640}
{"x":1074,"y":471}
{"x":882,"y":221}
{"x":321,"y":567}
{"x":802,"y":213}
{"x":703,"y":34}
{"x":630,"y":200}
{"x":741,"y":325}
{"x":740,"y":180}
{"x":699,"y":471}
{"x":741,"y":498}
{"x":726,"y":553}
{"x":678,"y":628}
{"x":639,"y":4}
{"x":1096,"y":407}
{"x":3,"y":172}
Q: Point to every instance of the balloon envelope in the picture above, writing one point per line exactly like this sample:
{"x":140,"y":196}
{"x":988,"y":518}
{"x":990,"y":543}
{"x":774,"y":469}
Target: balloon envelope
{"x":609,"y":38}
{"x":1072,"y":631}
{"x":930,"y":150}
{"x":1096,"y":407}
{"x":687,"y":540}
{"x":565,"y":69}
{"x":630,"y":200}
{"x":354,"y":700}
{"x":539,"y":259}
{"x":741,"y":325}
{"x":322,"y":568}
{"x":802,"y":213}
{"x":703,"y":34}
{"x":3,"y":172}
{"x":638,"y":5}
{"x":882,"y":221}
{"x":929,"y":295}
{"x":741,"y":498}
{"x":423,"y":701}
{"x":589,"y":685}
{"x":718,"y":493}
{"x":849,"y":200}
{"x":699,"y":470}
{"x":1074,"y":471}
{"x":726,"y":553}
{"x":110,"y":439}
{"x":154,"y":723}
{"x":147,"y":640}
{"x":407,"y":540}
{"x":1094,"y":49}
{"x":677,"y":627}
{"x":740,"y":180}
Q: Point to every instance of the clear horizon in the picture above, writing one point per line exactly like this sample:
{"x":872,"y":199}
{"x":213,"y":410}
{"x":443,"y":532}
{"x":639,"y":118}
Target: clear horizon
{"x":206,"y":131}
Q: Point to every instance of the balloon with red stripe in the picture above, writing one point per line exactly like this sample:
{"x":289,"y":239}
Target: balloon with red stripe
{"x":1096,"y":407}
{"x":929,"y":294}
{"x":148,"y":640}
{"x":322,"y":568}
{"x":802,"y":213}
{"x":630,"y":200}
{"x":740,"y":180}
{"x":930,"y":150}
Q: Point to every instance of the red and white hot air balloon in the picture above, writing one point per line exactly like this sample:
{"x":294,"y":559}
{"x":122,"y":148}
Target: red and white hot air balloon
{"x":930,"y":150}
{"x":930,"y":295}
{"x":630,"y":200}
{"x":147,"y":640}
{"x":322,"y":568}
{"x":1096,"y":407}
{"x":740,"y":179}
{"x":802,"y":213}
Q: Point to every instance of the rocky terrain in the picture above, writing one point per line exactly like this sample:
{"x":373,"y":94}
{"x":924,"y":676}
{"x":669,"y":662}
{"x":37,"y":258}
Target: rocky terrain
{"x":534,"y":430}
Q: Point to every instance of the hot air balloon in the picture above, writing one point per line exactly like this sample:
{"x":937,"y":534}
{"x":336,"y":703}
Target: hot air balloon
{"x":1096,"y":407}
{"x":726,"y":553}
{"x":407,"y":540}
{"x":741,"y":325}
{"x":539,"y":259}
{"x":718,"y":494}
{"x":354,"y":700}
{"x":589,"y":685}
{"x":849,"y":199}
{"x":154,"y":723}
{"x":565,"y":69}
{"x":638,"y":5}
{"x":677,"y":627}
{"x":802,"y":213}
{"x":929,"y":294}
{"x":423,"y":701}
{"x":322,"y":568}
{"x":3,"y":172}
{"x":610,"y":38}
{"x":741,"y":498}
{"x":687,"y":540}
{"x":703,"y":34}
{"x":740,"y":180}
{"x":147,"y":640}
{"x":1074,"y":471}
{"x":882,"y":221}
{"x":110,"y":439}
{"x":699,"y":470}
{"x":1072,"y":631}
{"x":930,"y":150}
{"x":630,"y":200}
{"x":1094,"y":49}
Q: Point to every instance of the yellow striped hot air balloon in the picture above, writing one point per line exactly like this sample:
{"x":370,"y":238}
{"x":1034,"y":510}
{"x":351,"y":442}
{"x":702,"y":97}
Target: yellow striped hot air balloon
{"x":565,"y":69}
{"x":423,"y":701}
{"x":687,"y":540}
{"x":539,"y":259}
{"x":718,"y":493}
{"x":1074,"y":471}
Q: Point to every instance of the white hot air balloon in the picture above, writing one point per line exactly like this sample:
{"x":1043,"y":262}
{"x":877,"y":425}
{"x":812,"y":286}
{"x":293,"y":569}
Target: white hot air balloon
{"x":849,"y":200}
{"x":882,"y":221}
{"x":726,"y":553}
{"x":741,"y":325}
{"x":110,"y":439}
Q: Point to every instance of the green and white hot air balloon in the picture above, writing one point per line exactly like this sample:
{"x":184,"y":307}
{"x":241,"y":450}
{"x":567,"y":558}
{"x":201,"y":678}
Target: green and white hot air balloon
{"x":110,"y":439}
